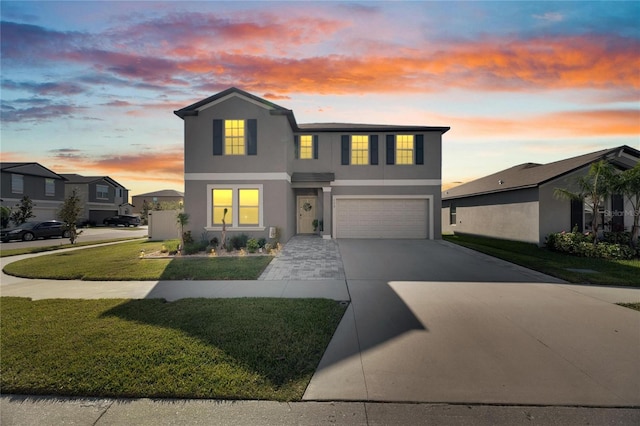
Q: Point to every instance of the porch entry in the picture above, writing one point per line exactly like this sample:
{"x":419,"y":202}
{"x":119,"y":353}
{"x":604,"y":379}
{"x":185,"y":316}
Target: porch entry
{"x":306,"y":213}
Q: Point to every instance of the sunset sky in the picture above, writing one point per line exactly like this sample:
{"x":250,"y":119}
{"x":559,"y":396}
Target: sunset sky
{"x":90,"y":87}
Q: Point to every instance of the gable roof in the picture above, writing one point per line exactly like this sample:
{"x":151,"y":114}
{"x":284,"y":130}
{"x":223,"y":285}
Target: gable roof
{"x":162,"y":193}
{"x":79,"y":179}
{"x":193,"y":110}
{"x":530,"y":175}
{"x":31,"y":169}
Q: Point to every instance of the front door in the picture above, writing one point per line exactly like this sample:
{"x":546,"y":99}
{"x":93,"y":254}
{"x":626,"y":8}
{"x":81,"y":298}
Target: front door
{"x":306,"y":214}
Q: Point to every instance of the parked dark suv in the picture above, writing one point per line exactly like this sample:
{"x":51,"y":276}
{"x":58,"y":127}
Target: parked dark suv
{"x":122,"y":219}
{"x":29,"y":231}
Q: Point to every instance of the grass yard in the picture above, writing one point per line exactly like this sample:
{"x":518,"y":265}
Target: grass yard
{"x":635,"y":306}
{"x":608,"y":272}
{"x":122,"y":262}
{"x":5,"y":252}
{"x":191,"y":348}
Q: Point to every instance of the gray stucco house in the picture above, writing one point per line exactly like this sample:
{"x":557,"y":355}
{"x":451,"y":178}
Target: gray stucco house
{"x":102,"y":196}
{"x":250,"y":156}
{"x":44,"y":187}
{"x":519,"y":203}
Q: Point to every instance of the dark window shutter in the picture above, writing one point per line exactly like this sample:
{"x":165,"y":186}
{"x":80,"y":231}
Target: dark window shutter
{"x":391,"y":149}
{"x":315,"y":147}
{"x":373,"y":150}
{"x":419,"y":149}
{"x":345,"y":150}
{"x":296,"y":144}
{"x":252,"y":136}
{"x":577,"y":210}
{"x":217,"y":137}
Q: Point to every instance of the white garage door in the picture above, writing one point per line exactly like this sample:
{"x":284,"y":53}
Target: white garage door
{"x":381,"y":218}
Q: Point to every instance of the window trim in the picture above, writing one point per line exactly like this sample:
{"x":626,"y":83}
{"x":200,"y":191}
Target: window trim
{"x":234,"y":224}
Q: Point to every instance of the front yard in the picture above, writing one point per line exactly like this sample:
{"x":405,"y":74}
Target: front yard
{"x":191,"y":348}
{"x":574,"y":269}
{"x":122,"y":262}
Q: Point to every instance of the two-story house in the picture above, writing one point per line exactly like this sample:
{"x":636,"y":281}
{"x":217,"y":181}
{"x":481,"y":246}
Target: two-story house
{"x":102,"y":196}
{"x":44,"y":187}
{"x":249,"y":156}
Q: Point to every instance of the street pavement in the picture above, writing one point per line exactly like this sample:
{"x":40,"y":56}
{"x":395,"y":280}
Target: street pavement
{"x":434,"y":334}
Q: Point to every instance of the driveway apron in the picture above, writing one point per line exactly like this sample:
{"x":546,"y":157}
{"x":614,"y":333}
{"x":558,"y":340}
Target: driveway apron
{"x":433,"y":322}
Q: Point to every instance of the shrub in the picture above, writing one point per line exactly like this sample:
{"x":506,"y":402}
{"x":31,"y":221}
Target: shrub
{"x":579,"y":244}
{"x":187,"y":238}
{"x":193,"y":248}
{"x":252,"y":245}
{"x":262,"y":242}
{"x":618,"y":237}
{"x":239,"y":241}
{"x":214,"y":242}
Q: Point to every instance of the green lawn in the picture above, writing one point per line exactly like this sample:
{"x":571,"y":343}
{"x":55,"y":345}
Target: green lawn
{"x":191,"y":348}
{"x":608,"y":272}
{"x":635,"y":306}
{"x":4,"y":251}
{"x":122,"y":262}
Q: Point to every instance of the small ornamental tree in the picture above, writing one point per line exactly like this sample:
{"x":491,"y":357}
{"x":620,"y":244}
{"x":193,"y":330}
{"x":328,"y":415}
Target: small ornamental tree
{"x":183,"y":220}
{"x":593,"y":188}
{"x":70,"y":213}
{"x":24,"y":211}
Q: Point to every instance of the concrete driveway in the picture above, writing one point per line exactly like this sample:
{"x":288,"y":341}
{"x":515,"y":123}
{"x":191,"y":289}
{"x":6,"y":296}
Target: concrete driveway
{"x":433,"y":322}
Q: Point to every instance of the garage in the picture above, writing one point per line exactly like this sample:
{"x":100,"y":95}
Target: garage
{"x":385,"y":217}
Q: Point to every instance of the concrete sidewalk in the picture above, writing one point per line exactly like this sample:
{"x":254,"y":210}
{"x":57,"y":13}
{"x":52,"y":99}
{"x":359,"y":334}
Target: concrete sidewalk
{"x":33,"y":410}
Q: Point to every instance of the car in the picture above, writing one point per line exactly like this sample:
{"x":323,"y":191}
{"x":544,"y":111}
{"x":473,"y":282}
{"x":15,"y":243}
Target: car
{"x":29,"y":231}
{"x":122,"y":219}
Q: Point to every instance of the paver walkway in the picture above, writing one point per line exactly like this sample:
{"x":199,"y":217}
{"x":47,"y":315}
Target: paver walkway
{"x":306,"y":257}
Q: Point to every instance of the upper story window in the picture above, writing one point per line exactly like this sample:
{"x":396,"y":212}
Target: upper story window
{"x":359,"y":149}
{"x":49,"y":187}
{"x":234,"y":141}
{"x":235,"y":137}
{"x":306,"y":147}
{"x":102,"y":192}
{"x":404,"y":149}
{"x":17,"y":184}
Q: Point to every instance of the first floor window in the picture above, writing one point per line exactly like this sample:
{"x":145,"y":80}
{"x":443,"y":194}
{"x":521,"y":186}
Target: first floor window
{"x":404,"y":149}
{"x":234,"y":140}
{"x":17,"y":184}
{"x":243,"y":205}
{"x":49,"y":187}
{"x":360,"y":149}
{"x":102,"y":191}
{"x":248,"y":213}
{"x":452,"y":215}
{"x":222,"y":199}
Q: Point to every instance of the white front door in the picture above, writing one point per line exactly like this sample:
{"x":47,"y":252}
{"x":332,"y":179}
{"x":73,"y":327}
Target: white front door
{"x":306,"y":214}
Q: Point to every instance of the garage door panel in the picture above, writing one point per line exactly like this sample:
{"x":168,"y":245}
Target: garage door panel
{"x":381,"y":218}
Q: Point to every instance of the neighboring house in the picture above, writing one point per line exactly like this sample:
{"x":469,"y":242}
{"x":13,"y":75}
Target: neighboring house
{"x":163,"y":196}
{"x":249,"y":156}
{"x":519,"y":203}
{"x":44,"y":187}
{"x":102,"y":196}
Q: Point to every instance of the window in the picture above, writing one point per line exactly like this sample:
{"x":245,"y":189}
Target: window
{"x":452,"y":215}
{"x":17,"y":184}
{"x":234,"y":140}
{"x":222,"y":199}
{"x":102,"y":191}
{"x":404,"y":149}
{"x":249,"y":207}
{"x":359,"y":150}
{"x":49,"y":187}
{"x":243,"y":203}
{"x":306,"y":147}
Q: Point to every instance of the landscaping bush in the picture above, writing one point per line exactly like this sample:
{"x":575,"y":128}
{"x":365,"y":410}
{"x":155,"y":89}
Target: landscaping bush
{"x":618,"y":237}
{"x":579,"y":244}
{"x":239,"y":241}
{"x":214,"y":242}
{"x":252,"y":245}
{"x":192,"y":248}
{"x":262,"y":242}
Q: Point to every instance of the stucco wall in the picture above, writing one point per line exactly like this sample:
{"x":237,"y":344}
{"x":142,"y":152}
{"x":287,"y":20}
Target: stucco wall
{"x":511,"y":215}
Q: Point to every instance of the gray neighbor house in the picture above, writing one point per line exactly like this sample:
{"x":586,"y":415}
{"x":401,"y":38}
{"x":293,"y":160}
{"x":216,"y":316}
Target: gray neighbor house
{"x":519,"y":203}
{"x":250,"y":156}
